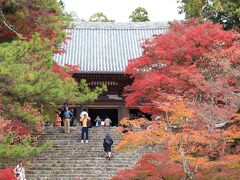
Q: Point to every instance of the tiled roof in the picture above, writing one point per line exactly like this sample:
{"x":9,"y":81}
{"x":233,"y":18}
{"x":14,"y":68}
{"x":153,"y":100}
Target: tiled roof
{"x":106,"y":47}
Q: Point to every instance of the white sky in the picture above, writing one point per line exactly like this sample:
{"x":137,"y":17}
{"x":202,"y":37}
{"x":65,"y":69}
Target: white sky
{"x":119,"y":10}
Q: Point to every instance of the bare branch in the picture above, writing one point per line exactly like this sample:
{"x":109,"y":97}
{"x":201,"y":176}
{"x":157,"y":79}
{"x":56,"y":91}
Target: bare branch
{"x":8,"y":25}
{"x":189,"y":173}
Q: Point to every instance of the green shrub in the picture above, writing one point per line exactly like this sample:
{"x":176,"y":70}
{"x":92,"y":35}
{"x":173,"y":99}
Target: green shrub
{"x":12,"y":153}
{"x":17,"y":112}
{"x":8,"y":138}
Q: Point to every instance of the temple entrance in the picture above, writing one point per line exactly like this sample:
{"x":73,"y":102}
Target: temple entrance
{"x":103,"y":113}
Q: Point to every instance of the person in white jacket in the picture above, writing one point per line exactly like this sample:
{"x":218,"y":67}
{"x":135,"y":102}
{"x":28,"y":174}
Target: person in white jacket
{"x":19,"y":171}
{"x":83,"y":112}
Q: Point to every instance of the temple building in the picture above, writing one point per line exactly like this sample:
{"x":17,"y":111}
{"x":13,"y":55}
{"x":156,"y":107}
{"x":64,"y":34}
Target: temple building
{"x":102,"y":51}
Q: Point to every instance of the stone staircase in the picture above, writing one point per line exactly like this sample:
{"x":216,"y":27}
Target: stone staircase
{"x":70,"y":159}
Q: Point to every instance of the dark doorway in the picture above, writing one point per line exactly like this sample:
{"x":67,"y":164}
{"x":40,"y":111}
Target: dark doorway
{"x":103,"y":113}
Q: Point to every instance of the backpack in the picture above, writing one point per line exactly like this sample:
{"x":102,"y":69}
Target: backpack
{"x":89,"y":124}
{"x":109,"y":141}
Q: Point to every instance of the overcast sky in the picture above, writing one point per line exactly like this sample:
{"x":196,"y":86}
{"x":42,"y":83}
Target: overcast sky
{"x":119,"y":10}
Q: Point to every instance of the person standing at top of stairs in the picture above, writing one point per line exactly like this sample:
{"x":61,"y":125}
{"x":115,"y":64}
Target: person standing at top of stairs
{"x":85,"y":120}
{"x":83,"y":112}
{"x":107,"y":122}
{"x":66,"y":118}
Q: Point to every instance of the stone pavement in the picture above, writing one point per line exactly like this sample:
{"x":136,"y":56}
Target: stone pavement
{"x":70,"y":159}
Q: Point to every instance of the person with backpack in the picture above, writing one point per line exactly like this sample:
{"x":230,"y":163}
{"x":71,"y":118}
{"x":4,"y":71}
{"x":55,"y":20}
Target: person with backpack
{"x":107,"y":145}
{"x":65,"y":105}
{"x":66,"y":119}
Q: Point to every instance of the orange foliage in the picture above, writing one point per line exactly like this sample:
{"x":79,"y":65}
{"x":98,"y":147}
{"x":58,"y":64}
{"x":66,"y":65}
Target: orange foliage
{"x":207,"y":149}
{"x":133,"y":140}
{"x":119,"y":129}
{"x":226,"y":168}
{"x":177,"y":108}
{"x":133,"y":123}
{"x":38,"y":124}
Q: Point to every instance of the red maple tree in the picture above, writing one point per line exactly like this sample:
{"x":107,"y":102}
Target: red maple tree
{"x":25,"y":18}
{"x":7,"y":174}
{"x":195,"y":60}
{"x":190,"y":78}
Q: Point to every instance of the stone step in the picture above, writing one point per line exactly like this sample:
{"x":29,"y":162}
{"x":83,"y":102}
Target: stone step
{"x":61,"y":134}
{"x":83,"y":153}
{"x":80,"y":147}
{"x":98,"y":137}
{"x":62,"y":173}
{"x":70,"y":177}
{"x":107,"y":163}
{"x":80,"y":161}
{"x":70,"y":159}
{"x":76,"y":139}
{"x":99,"y":176}
{"x":74,"y":130}
{"x":90,"y":158}
{"x":75,"y":169}
{"x":74,"y":160}
{"x":78,"y":144}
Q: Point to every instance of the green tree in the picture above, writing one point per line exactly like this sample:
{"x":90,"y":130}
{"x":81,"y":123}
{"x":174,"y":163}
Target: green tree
{"x":10,"y":153}
{"x":226,"y":12}
{"x":32,"y":85}
{"x":26,"y":76}
{"x":140,"y":14}
{"x":99,"y":17}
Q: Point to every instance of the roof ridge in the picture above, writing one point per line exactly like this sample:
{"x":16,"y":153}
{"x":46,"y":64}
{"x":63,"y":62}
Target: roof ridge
{"x":118,"y":25}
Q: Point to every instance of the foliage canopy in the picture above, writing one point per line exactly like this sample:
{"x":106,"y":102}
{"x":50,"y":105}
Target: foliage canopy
{"x":140,"y":14}
{"x":226,"y":12}
{"x":99,"y":17}
{"x":191,"y":85}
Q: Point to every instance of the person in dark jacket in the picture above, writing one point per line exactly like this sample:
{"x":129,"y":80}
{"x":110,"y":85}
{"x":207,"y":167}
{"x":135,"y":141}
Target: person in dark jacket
{"x":65,"y":105}
{"x":66,"y":119}
{"x":98,"y":121}
{"x":107,"y":144}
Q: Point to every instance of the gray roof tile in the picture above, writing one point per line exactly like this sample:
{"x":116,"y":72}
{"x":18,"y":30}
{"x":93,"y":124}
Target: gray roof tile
{"x":106,"y":47}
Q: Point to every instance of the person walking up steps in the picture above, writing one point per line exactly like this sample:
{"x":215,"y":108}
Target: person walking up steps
{"x":66,"y":118}
{"x":107,"y":145}
{"x":84,"y":120}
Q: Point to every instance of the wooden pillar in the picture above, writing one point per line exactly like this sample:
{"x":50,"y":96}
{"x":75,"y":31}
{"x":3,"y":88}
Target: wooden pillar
{"x":123,"y":112}
{"x":78,"y":111}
